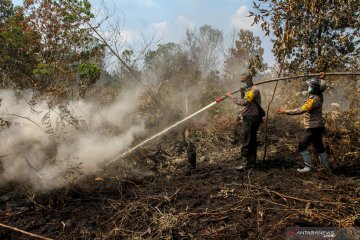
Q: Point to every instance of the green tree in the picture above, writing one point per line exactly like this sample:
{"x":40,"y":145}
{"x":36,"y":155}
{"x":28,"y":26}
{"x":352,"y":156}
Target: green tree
{"x":89,"y":74}
{"x":48,"y":40}
{"x":18,"y":47}
{"x":43,"y":43}
{"x":6,"y":10}
{"x":312,"y":35}
{"x":65,"y":40}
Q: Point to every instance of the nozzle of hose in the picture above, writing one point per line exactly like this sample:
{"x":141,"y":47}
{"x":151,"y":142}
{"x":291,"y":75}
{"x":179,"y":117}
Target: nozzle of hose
{"x":223,"y":97}
{"x":220,"y":99}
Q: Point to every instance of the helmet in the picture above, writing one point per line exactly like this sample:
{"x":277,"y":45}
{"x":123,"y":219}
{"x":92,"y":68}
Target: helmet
{"x":314,"y":86}
{"x":318,"y":86}
{"x":314,"y":83}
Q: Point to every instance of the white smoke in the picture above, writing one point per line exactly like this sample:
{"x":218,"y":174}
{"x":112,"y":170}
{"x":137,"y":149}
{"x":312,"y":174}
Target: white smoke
{"x":30,"y":152}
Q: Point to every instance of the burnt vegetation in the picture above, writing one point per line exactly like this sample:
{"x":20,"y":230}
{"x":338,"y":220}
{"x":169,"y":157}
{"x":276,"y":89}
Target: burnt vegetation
{"x":66,"y":122}
{"x":211,"y":202}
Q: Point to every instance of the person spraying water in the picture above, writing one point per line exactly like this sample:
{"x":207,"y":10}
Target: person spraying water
{"x":251,"y":113}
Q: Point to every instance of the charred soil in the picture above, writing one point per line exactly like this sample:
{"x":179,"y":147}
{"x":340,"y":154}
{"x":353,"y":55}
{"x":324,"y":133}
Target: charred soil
{"x":213,"y":201}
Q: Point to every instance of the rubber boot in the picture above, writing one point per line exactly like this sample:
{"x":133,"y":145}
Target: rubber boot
{"x":242,"y":164}
{"x":324,"y":160}
{"x":306,"y":155}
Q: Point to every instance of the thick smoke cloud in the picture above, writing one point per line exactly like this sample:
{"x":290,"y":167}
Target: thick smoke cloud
{"x":42,"y":148}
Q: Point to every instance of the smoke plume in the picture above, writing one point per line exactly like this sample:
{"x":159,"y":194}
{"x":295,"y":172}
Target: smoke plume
{"x":49,"y":147}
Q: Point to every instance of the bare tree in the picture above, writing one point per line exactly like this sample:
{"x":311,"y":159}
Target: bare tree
{"x":204,"y":47}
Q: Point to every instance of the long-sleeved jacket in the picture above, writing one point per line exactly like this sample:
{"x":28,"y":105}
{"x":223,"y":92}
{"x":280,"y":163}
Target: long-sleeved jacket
{"x":313,"y":112}
{"x":249,"y":108}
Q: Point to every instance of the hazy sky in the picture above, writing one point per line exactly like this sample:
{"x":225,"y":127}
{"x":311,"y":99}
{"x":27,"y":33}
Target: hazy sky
{"x":169,"y":19}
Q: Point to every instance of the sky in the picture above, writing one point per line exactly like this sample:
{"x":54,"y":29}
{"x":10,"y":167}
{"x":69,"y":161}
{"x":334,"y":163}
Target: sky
{"x":168,"y":20}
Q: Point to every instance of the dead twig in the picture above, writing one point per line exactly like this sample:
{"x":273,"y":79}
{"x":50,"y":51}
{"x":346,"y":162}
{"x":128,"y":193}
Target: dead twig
{"x":27,"y":118}
{"x":310,"y":201}
{"x":23,"y":232}
{"x":32,"y":167}
{"x":62,"y":117}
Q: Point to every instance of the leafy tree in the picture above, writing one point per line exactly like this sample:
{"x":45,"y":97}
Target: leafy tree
{"x":245,"y":56}
{"x":89,"y":74}
{"x":18,"y":47}
{"x":313,"y":35}
{"x":61,"y":26}
{"x":65,"y":40}
{"x":44,"y":45}
{"x":6,"y":10}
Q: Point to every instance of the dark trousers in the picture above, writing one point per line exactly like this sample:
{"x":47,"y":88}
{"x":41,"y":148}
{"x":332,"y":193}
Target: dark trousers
{"x":314,"y":136}
{"x":249,"y":132}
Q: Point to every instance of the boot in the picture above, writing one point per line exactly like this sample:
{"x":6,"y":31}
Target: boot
{"x":242,"y":164}
{"x":324,"y":160}
{"x":307,"y":161}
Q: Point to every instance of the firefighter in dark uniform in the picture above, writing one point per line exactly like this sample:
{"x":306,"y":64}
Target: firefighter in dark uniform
{"x":249,"y":101}
{"x":314,"y":125}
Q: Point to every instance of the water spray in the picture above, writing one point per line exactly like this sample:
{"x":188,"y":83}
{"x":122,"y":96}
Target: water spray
{"x":172,"y":126}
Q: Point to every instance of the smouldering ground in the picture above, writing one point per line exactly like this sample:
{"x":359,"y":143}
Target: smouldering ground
{"x":212,"y":202}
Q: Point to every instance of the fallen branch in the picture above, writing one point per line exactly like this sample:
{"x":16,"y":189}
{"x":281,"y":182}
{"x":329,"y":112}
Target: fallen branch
{"x":311,"y":201}
{"x":23,"y":232}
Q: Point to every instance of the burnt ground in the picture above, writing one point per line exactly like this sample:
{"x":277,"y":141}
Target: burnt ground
{"x":212,"y":202}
